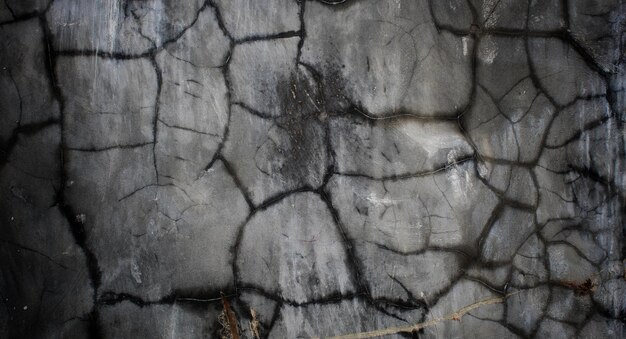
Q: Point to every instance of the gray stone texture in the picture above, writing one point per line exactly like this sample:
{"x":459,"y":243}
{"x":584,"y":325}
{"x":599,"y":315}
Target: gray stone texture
{"x":312,"y":168}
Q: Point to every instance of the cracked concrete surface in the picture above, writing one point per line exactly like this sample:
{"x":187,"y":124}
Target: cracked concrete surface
{"x":337,"y":166}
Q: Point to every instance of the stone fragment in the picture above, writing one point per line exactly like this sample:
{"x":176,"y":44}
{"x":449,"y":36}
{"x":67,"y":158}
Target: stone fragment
{"x":263,"y":75}
{"x":599,"y":326}
{"x":546,"y":15}
{"x":391,"y":67}
{"x":568,"y":306}
{"x":418,"y":277}
{"x":386,"y":148}
{"x":37,"y":246}
{"x":109,"y":103}
{"x":499,"y":14}
{"x":133,"y":27}
{"x":526,"y":308}
{"x":293,"y":249}
{"x":249,"y":19}
{"x":455,"y":13}
{"x":567,"y":266}
{"x":411,"y":214}
{"x":549,"y":328}
{"x":599,"y":27}
{"x":26,"y":96}
{"x":565,"y":75}
{"x":150,"y":239}
{"x":569,"y":123}
{"x":274,"y":156}
{"x":507,"y":234}
{"x":204,"y":45}
{"x":160,"y":320}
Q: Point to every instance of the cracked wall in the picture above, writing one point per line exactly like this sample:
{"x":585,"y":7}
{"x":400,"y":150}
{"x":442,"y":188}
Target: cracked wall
{"x":337,"y":166}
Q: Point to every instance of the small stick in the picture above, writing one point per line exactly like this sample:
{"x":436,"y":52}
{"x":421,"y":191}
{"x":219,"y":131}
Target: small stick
{"x":230,"y":318}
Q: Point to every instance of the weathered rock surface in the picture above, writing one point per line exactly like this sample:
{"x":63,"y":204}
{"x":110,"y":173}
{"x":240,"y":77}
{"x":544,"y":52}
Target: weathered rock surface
{"x":292,"y":168}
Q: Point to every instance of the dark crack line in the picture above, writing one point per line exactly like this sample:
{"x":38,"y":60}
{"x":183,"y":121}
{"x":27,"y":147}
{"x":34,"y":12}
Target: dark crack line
{"x":77,"y":228}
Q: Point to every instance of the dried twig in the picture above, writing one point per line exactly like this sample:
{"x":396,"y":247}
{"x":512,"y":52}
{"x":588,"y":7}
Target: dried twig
{"x":254,"y":325}
{"x":228,"y":320}
{"x":416,"y":327}
{"x":585,"y":288}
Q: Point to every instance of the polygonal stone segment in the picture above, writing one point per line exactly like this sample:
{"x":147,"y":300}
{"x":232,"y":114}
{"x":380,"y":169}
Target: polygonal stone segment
{"x":27,"y":7}
{"x":204,"y":44}
{"x":497,"y":55}
{"x":471,"y":204}
{"x":410,"y":214}
{"x":597,"y":148}
{"x":294,"y":249}
{"x":133,"y":27}
{"x":610,"y":295}
{"x":160,"y":320}
{"x":248,"y":19}
{"x":529,"y":271}
{"x":370,"y":211}
{"x":525,"y":308}
{"x":5,"y":16}
{"x":192,"y":98}
{"x":390,"y":66}
{"x":162,"y":21}
{"x":387,"y":148}
{"x":10,"y":104}
{"x":328,"y":319}
{"x":159,"y":235}
{"x":42,"y":294}
{"x":30,"y":175}
{"x":569,"y":306}
{"x":41,"y":303}
{"x":517,"y":102}
{"x":181,"y":154}
{"x":274,"y":156}
{"x":261,"y":74}
{"x":95,"y":25}
{"x":37,"y":155}
{"x":599,"y":27}
{"x":546,"y":15}
{"x":599,"y":326}
{"x":549,"y":328}
{"x":498,"y":14}
{"x":454,"y":13}
{"x":532,"y":127}
{"x":497,"y":176}
{"x":491,"y":133}
{"x":533,"y":247}
{"x":556,"y":198}
{"x":572,"y":120}
{"x":507,"y":234}
{"x":108,"y":102}
{"x":106,"y":176}
{"x":583,"y":241}
{"x":562,"y":72}
{"x":566,"y":264}
{"x":25,"y":89}
{"x":412,"y":277}
{"x":515,"y":183}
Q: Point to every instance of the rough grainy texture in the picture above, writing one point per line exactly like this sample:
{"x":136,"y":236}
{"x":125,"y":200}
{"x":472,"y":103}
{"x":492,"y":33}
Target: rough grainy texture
{"x":294,"y":169}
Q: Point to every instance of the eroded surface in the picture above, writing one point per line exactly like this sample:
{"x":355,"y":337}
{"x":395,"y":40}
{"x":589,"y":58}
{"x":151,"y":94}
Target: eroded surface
{"x":335,"y":166}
